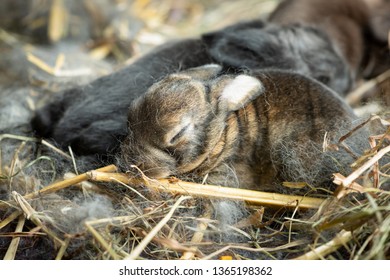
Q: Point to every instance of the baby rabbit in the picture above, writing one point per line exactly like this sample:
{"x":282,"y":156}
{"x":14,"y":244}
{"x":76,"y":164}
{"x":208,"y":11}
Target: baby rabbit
{"x":236,"y":130}
{"x":303,"y":49}
{"x":357,"y":28}
{"x":344,"y":21}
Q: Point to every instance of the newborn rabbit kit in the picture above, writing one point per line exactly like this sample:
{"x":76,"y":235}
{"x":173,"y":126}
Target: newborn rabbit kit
{"x":253,"y":131}
{"x":235,"y":141}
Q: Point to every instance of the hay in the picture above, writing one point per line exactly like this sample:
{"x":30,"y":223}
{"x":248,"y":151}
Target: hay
{"x":152,"y":221}
{"x":103,"y":214}
{"x":176,"y":186}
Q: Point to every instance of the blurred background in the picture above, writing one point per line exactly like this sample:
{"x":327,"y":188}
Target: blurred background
{"x":114,"y":30}
{"x":50,"y":45}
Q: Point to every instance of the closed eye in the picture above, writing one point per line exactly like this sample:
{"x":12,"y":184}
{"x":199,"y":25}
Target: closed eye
{"x":178,"y":135}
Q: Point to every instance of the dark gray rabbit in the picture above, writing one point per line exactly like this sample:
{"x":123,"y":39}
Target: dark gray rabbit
{"x":237,"y":129}
{"x":303,"y":49}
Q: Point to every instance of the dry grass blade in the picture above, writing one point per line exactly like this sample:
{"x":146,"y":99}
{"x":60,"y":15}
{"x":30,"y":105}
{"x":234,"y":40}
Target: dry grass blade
{"x":380,"y":241}
{"x":32,"y":215}
{"x":198,"y":235}
{"x":342,"y":190}
{"x":40,"y":64}
{"x":10,"y":218}
{"x":142,"y":245}
{"x":355,"y":96}
{"x":101,"y":51}
{"x":135,"y":217}
{"x":58,"y":20}
{"x":62,"y":249}
{"x":174,"y":245}
{"x":17,"y":137}
{"x":273,"y":249}
{"x":13,"y":247}
{"x":47,"y":144}
{"x":61,"y":185}
{"x":113,"y":220}
{"x":322,"y":251}
{"x":211,"y":191}
{"x":99,"y":238}
{"x":84,"y":185}
{"x":354,"y":175}
{"x":60,"y":60}
{"x":255,"y":219}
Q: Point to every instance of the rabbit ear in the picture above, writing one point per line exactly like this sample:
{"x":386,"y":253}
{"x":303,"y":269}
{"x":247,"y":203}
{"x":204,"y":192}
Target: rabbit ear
{"x":204,"y":72}
{"x":241,"y":90}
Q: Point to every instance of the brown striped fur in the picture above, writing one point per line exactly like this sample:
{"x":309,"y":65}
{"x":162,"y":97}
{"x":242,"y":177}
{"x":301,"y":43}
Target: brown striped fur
{"x":187,"y":125}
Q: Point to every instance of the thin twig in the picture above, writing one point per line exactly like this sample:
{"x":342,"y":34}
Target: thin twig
{"x":354,"y":175}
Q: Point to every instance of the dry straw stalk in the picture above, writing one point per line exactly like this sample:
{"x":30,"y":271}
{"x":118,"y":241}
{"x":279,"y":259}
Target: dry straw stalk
{"x":322,"y":251}
{"x":59,"y":185}
{"x":211,"y":191}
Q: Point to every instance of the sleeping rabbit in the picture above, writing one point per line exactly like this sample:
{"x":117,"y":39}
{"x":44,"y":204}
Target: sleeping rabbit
{"x":236,"y":129}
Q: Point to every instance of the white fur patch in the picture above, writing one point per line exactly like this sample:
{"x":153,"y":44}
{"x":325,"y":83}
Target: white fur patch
{"x":212,"y":65}
{"x":241,"y":90}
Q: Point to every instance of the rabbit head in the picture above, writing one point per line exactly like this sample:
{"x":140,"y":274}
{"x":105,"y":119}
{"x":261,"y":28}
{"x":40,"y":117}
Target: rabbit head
{"x":174,"y":127}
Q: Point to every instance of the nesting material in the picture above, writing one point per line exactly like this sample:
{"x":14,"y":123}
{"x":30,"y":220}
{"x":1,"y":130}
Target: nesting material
{"x":176,"y":186}
{"x":104,"y":214}
{"x":167,"y":219}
